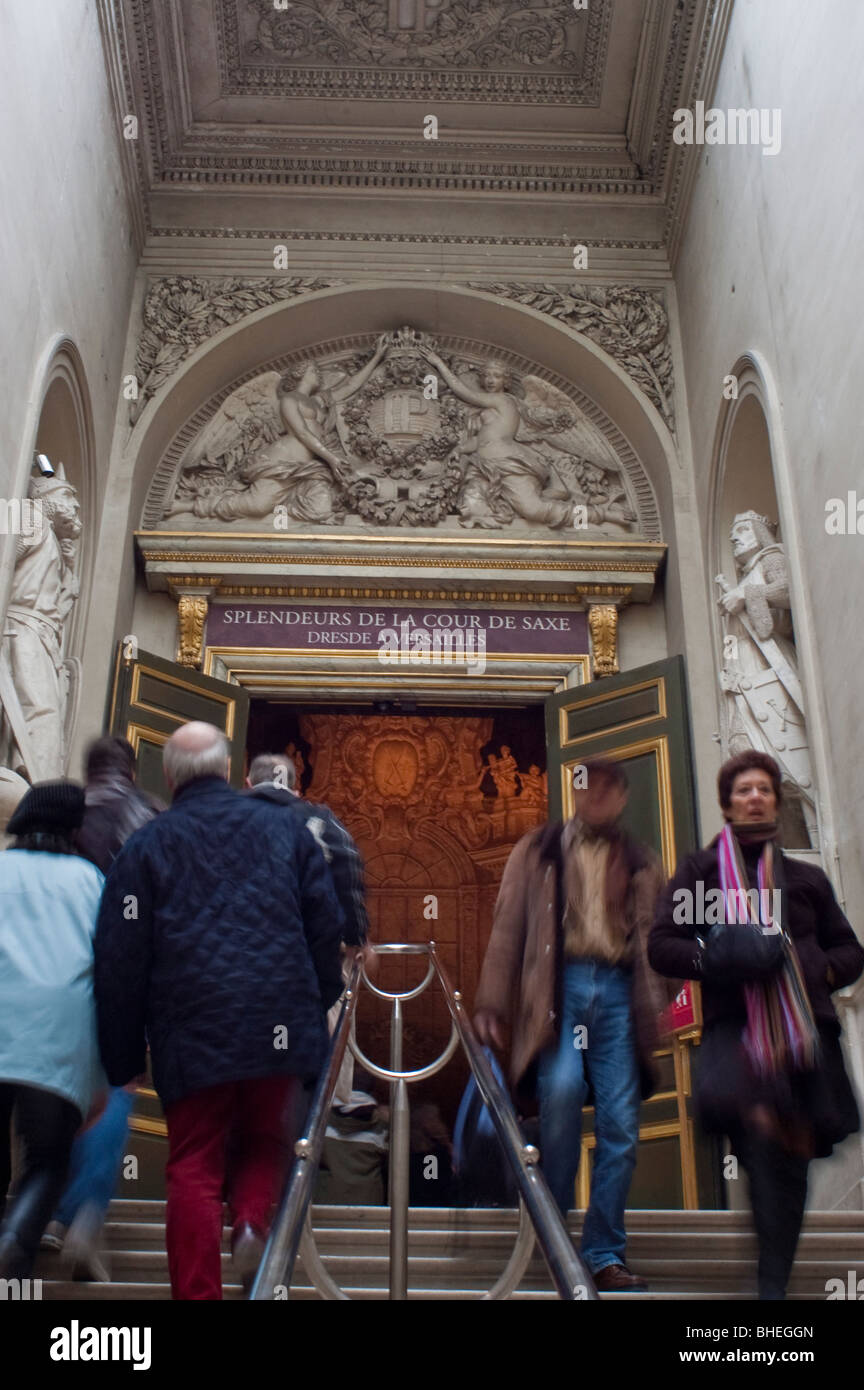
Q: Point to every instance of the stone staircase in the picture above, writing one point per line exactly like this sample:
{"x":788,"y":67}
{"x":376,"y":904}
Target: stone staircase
{"x":456,"y":1254}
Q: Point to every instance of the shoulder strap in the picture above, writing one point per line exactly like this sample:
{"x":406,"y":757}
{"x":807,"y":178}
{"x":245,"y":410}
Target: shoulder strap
{"x":780,"y":883}
{"x":548,"y":840}
{"x":635,"y":853}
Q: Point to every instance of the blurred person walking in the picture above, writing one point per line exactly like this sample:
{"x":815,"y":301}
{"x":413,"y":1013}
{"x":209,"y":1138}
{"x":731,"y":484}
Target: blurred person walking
{"x":567,"y":968}
{"x":771,"y":1074}
{"x":114,"y":808}
{"x":114,"y":805}
{"x":273,"y":777}
{"x":49,"y":1058}
{"x":218,"y":941}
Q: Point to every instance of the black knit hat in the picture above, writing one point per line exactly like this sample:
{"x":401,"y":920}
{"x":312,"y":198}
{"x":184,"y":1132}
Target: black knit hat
{"x":48,"y":806}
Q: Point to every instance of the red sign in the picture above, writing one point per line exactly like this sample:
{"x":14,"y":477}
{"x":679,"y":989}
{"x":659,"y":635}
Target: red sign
{"x":681,"y":1013}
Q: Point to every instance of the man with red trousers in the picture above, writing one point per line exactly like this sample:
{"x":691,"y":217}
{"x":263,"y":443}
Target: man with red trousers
{"x":218,"y":943}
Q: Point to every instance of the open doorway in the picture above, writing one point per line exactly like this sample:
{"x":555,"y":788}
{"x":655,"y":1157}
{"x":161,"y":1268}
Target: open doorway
{"x":435,"y":798}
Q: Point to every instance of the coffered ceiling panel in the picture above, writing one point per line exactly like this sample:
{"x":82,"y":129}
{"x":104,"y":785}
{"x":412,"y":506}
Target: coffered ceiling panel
{"x":508,"y":108}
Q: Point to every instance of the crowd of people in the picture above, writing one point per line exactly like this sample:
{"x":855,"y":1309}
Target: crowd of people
{"x":584,"y":936}
{"x":203,"y":944}
{"x":210,"y":936}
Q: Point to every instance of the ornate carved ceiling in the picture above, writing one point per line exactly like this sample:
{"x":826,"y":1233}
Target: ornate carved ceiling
{"x":259,"y":117}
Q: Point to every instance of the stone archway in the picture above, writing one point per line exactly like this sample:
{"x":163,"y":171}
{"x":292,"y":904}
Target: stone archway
{"x":516,"y":320}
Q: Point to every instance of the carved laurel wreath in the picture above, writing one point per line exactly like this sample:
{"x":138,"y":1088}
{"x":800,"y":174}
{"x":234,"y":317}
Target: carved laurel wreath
{"x":438,"y":498}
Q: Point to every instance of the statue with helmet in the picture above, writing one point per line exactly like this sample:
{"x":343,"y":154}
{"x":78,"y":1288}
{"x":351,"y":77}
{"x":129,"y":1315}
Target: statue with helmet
{"x":764,"y":705}
{"x":37,"y":680}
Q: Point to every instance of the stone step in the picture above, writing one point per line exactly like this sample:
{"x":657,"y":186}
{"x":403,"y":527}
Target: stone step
{"x":699,"y":1276}
{"x":457,"y":1254}
{"x":150,"y":1292}
{"x":506,"y":1218}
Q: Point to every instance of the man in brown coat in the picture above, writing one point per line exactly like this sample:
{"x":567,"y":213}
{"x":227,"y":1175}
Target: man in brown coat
{"x":573,"y":983}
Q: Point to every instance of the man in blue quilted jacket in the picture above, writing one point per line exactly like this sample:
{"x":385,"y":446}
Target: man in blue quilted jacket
{"x":218,"y":943}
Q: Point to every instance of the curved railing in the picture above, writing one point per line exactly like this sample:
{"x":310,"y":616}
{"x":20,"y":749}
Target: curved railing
{"x":538,"y":1214}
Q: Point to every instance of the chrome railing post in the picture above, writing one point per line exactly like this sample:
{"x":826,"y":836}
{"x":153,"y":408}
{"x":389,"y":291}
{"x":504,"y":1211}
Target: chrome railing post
{"x":538,"y":1210}
{"x":571,"y":1277}
{"x":400,"y":1125}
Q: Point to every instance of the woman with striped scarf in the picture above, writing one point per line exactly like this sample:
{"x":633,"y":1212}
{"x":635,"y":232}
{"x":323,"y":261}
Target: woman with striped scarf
{"x":770,"y":1070}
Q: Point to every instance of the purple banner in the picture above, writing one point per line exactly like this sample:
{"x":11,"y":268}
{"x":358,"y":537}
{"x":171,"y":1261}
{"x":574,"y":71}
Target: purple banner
{"x":331,"y":627}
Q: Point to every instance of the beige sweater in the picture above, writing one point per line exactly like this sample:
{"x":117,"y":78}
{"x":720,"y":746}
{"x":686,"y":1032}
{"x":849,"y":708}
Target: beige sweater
{"x":588,"y":932}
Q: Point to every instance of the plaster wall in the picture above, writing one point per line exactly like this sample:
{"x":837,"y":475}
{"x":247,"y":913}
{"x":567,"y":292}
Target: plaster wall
{"x":642,"y":634}
{"x":770,"y":266}
{"x":67,"y":253}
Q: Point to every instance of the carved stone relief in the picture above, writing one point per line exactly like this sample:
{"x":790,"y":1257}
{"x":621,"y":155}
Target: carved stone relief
{"x":461,"y":49}
{"x":182,"y":312}
{"x":631,"y":324}
{"x":400,"y":437}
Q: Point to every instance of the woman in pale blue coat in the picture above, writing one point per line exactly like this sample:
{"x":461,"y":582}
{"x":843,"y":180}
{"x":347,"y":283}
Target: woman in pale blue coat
{"x":49,"y":1054}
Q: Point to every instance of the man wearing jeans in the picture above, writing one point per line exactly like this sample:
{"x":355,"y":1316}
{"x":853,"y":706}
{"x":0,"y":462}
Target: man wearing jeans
{"x":567,"y":969}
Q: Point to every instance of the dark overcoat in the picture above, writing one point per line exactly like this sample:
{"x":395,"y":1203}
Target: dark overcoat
{"x":830,"y":956}
{"x":218,"y":941}
{"x":338,"y":847}
{"x":521,"y":975}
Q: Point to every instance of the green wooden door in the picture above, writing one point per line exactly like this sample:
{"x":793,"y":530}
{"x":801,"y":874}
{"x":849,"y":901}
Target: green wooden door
{"x":150,"y":698}
{"x":640,"y":718}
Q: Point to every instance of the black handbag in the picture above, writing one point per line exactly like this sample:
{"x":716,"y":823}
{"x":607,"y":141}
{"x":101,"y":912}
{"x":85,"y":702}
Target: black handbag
{"x":742,"y":953}
{"x":745,"y":952}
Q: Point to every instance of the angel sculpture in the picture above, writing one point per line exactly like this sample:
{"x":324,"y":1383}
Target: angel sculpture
{"x":267,"y":447}
{"x":505,"y":477}
{"x":505,"y":773}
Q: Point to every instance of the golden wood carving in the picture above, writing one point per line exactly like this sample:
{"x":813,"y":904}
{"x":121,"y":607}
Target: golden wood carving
{"x":603,"y":626}
{"x":191,"y":617}
{"x":435,"y":826}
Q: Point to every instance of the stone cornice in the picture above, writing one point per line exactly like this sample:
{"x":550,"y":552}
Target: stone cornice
{"x":115,"y":55}
{"x":281,"y":234}
{"x":623,"y":570}
{"x":684,"y":160}
{"x":469,"y":171}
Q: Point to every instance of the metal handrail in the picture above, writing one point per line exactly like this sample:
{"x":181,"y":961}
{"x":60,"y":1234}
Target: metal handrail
{"x":570,"y":1276}
{"x":537,"y":1207}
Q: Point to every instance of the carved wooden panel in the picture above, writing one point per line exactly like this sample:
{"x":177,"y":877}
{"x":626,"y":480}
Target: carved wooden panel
{"x":435,"y":818}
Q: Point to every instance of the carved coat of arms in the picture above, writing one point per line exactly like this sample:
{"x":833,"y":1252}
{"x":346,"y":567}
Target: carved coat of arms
{"x":404,"y":437}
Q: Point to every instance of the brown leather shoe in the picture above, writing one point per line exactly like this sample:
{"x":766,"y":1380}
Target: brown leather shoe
{"x":618,"y":1279}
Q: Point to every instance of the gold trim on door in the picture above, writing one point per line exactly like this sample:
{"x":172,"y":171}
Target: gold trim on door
{"x":659,"y":713}
{"x":660,"y":747}
{"x":140,"y":733}
{"x":681,"y":1128}
{"x":166,"y":679}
